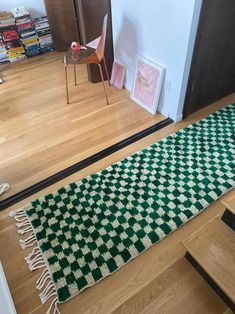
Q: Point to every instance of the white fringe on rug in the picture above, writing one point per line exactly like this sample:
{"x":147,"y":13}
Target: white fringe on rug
{"x":4,"y":187}
{"x":35,"y":261}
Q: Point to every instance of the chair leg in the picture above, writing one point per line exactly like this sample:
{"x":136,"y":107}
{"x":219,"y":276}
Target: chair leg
{"x":106,"y":70}
{"x":66,"y":83}
{"x":75,"y":74}
{"x":102,"y":77}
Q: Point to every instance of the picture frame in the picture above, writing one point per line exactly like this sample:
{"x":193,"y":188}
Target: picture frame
{"x":118,"y":75}
{"x":147,"y":84}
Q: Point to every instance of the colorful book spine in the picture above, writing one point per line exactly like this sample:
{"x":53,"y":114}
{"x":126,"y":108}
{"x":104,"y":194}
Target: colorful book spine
{"x":27,"y":31}
{"x":11,"y":48}
{"x":44,"y":34}
{"x":22,"y":37}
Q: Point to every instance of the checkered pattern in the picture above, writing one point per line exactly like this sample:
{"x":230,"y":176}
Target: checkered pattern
{"x":90,"y":228}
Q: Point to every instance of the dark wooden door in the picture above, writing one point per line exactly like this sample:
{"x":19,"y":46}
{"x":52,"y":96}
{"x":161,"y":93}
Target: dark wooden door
{"x":90,"y":20}
{"x":63,"y":22}
{"x":212,"y":74}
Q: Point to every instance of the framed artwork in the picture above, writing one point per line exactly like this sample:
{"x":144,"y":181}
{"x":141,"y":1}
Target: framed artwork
{"x":147,"y":84}
{"x":118,"y":75}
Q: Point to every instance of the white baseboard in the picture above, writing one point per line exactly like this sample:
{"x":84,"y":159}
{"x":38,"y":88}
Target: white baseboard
{"x":168,"y":115}
{"x":179,"y":118}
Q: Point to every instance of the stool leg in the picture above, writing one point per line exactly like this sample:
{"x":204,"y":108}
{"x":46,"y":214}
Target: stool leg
{"x":102,"y":77}
{"x":106,"y":70}
{"x":75,"y":74}
{"x":66,"y":83}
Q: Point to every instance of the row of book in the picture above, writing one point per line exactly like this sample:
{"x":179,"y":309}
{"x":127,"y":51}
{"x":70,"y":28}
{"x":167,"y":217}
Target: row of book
{"x":6,"y":19}
{"x":23,"y":37}
{"x":27,"y":31}
{"x":3,"y":51}
{"x":11,"y":47}
{"x":44,"y":35}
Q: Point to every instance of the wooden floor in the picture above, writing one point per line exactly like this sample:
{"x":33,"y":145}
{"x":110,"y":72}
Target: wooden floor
{"x":158,"y":281}
{"x":41,"y":135}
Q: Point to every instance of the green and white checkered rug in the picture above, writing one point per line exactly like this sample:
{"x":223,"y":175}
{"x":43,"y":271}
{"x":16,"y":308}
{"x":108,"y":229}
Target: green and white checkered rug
{"x":89,"y":229}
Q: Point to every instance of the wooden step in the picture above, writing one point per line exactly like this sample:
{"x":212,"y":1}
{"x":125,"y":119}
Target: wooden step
{"x":230,"y":203}
{"x":178,"y":289}
{"x":213,"y":248}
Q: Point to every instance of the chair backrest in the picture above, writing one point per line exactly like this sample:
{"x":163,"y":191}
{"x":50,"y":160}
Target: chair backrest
{"x":101,"y":46}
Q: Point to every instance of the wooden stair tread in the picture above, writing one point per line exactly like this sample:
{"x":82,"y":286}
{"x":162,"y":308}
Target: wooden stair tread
{"x":213,"y":247}
{"x":230,"y":204}
{"x":178,"y":289}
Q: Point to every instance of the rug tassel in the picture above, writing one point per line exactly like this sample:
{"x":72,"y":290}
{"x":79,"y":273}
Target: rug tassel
{"x":20,"y":218}
{"x":16,"y":212}
{"x":28,"y":241}
{"x":47,"y":290}
{"x":35,"y":261}
{"x":31,"y":258}
{"x":45,"y":297}
{"x":25,"y":230}
{"x":54,"y":304}
{"x":34,"y":252}
{"x":41,"y":280}
{"x":19,"y":215}
{"x":37,"y":264}
{"x":24,"y":226}
{"x":23,"y":223}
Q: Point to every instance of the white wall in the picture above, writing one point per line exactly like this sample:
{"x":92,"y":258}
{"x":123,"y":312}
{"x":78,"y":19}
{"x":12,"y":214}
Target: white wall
{"x":36,"y":7}
{"x":162,"y":31}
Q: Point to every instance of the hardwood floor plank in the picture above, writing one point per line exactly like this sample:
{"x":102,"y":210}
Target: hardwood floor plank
{"x":155,"y":289}
{"x":191,"y":287}
{"x":42,"y":135}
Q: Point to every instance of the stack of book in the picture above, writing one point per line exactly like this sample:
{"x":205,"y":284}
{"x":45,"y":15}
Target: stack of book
{"x":3,"y":52}
{"x":6,"y":20}
{"x":27,"y":31}
{"x":14,"y":47}
{"x":44,"y":34}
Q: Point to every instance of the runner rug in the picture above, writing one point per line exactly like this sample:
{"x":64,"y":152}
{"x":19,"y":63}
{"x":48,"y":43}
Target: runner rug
{"x":89,"y":229}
